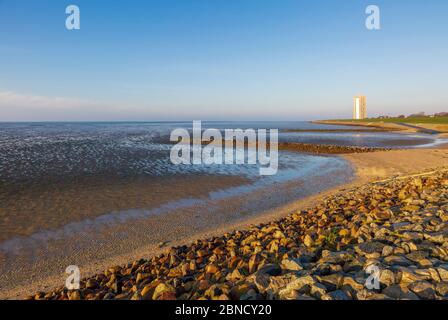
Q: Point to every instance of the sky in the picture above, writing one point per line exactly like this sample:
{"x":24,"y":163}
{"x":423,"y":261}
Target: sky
{"x":220,"y":59}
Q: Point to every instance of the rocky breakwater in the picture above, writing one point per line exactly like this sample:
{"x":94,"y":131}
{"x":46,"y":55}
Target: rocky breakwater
{"x":400,"y":226}
{"x":326,"y":149}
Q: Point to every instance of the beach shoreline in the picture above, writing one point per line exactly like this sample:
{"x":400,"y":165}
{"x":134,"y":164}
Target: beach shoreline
{"x":368,"y":166}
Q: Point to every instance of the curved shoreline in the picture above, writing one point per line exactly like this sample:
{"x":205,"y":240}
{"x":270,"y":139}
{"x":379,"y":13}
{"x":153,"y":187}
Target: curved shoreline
{"x":120,"y":242}
{"x":369,"y":167}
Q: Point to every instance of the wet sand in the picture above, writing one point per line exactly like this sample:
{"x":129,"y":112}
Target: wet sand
{"x":107,"y":220}
{"x":176,"y":228}
{"x":25,"y":210}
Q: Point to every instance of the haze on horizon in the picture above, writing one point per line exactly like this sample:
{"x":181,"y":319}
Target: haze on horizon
{"x":220,"y":60}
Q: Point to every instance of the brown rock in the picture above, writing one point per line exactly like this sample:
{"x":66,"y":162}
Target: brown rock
{"x":163,"y":290}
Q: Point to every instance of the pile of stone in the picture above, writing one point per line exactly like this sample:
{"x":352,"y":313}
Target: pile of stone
{"x":326,"y":149}
{"x":400,"y":227}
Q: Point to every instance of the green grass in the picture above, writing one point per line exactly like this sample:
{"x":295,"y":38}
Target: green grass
{"x":428,"y":120}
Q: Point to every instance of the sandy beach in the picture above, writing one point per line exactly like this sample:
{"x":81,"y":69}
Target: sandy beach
{"x":50,"y":274}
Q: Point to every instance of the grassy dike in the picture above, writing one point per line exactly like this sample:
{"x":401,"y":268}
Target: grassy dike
{"x":410,"y":124}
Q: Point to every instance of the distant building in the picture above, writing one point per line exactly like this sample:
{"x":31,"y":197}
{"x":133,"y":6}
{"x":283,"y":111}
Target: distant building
{"x":359,"y":107}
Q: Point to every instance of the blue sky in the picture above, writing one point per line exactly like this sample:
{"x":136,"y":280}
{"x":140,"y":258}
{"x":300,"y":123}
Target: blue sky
{"x":220,"y":59}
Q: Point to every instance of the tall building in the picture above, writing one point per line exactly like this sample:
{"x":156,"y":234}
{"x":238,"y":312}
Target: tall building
{"x":359,"y":107}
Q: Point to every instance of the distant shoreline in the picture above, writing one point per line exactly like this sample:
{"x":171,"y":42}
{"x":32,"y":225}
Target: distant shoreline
{"x":403,"y":126}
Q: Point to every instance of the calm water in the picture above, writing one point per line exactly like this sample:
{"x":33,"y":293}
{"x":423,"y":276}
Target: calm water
{"x":48,"y":151}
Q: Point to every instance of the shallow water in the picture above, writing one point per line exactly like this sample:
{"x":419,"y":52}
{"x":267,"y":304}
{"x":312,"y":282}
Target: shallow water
{"x":64,"y":176}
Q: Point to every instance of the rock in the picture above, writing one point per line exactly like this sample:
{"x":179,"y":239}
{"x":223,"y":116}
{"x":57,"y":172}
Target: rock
{"x":109,"y":296}
{"x":308,"y":241}
{"x":291,"y":282}
{"x":397,"y":261}
{"x":444,"y":216}
{"x":383,"y":215}
{"x":163,"y":291}
{"x":423,"y":289}
{"x":74,"y":295}
{"x":387,"y":277}
{"x":234,"y":276}
{"x":337,"y":257}
{"x":443,"y":272}
{"x":369,"y":247}
{"x":442,"y":289}
{"x":355,"y":265}
{"x":203,"y":284}
{"x":216,"y":291}
{"x":400,"y":225}
{"x":261,"y":280}
{"x":91,"y":284}
{"x":271,"y":269}
{"x":351,"y":285}
{"x":424,"y":263}
{"x":318,"y":290}
{"x":238,"y":290}
{"x":410,"y":208}
{"x":211,"y":268}
{"x":417,"y":256}
{"x":167,"y":296}
{"x":434,"y":275}
{"x":141,"y":276}
{"x":409,"y":246}
{"x":336,"y":295}
{"x":387,"y":251}
{"x":332,"y":281}
{"x":253,"y":262}
{"x":399,"y":292}
{"x":250,"y":295}
{"x":148,"y":291}
{"x":291,"y":264}
{"x":407,"y":275}
{"x":288,"y":294}
{"x":278,"y":235}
